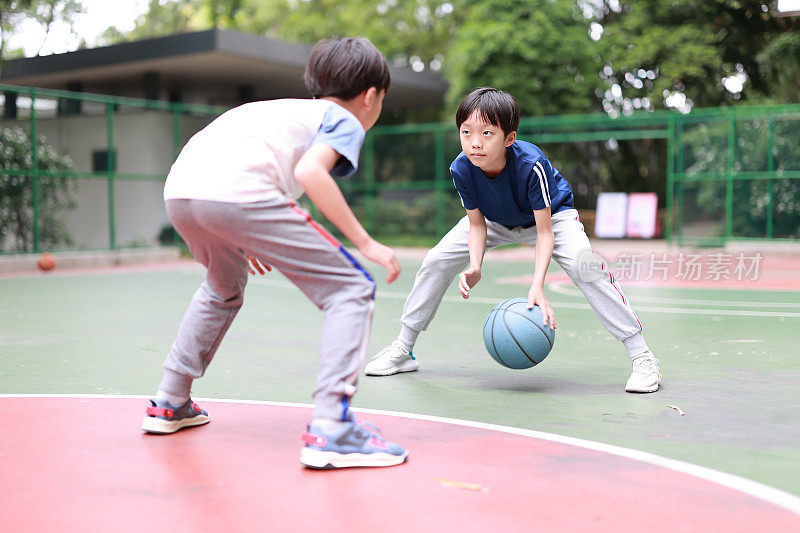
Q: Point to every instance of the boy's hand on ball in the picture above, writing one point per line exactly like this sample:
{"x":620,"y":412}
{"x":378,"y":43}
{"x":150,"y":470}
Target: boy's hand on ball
{"x":468,"y":279}
{"x":254,"y":263}
{"x":536,"y":297}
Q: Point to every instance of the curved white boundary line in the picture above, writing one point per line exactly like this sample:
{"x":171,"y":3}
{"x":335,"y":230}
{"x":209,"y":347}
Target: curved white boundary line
{"x":755,"y":489}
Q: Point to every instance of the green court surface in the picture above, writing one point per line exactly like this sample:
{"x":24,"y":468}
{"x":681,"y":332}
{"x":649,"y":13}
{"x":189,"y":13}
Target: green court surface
{"x":730,"y":359}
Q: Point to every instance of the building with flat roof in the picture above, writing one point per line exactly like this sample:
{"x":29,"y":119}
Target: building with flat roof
{"x":215,"y":67}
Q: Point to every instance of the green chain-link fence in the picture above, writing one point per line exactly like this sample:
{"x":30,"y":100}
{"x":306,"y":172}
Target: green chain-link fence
{"x":85,"y":171}
{"x":94,"y":178}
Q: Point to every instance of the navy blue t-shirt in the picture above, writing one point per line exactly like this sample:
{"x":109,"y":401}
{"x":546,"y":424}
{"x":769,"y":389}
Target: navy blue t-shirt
{"x":528,"y":183}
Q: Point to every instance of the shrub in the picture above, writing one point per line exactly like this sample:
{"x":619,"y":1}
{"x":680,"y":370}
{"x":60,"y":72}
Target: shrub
{"x":55,"y":194}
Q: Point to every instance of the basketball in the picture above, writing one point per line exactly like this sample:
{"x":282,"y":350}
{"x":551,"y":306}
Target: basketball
{"x":46,"y":262}
{"x":515,"y":336}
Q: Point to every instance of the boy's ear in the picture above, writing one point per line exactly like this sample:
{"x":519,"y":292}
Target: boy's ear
{"x":369,"y":98}
{"x":510,"y":138}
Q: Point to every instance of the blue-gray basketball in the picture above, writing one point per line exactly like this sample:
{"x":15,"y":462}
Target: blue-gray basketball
{"x":515,"y":336}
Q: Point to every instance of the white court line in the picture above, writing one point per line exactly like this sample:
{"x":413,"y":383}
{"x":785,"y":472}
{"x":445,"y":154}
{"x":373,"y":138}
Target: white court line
{"x":758,"y":490}
{"x":566,"y":305}
{"x":571,"y":290}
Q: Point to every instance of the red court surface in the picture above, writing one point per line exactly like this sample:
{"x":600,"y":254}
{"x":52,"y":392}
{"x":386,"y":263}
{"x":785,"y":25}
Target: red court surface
{"x":81,"y":464}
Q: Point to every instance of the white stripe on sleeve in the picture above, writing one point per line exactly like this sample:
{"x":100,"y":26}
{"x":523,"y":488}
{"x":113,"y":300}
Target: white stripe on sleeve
{"x":459,"y":195}
{"x":546,"y":183}
{"x":543,"y":184}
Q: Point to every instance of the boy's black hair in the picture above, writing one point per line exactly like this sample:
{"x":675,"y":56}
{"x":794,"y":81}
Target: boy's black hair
{"x":344,"y":68}
{"x":493,"y":105}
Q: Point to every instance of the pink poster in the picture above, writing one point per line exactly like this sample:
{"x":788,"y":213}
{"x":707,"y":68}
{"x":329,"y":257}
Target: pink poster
{"x":642,"y":219}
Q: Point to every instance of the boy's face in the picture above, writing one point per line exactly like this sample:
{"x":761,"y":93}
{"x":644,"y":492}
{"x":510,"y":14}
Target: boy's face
{"x":485,"y":144}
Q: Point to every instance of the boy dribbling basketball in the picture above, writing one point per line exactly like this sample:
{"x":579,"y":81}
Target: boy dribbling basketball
{"x":512,"y":194}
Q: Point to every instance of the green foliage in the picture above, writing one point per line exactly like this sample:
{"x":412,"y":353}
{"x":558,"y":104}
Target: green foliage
{"x":162,"y":18}
{"x":44,"y":12}
{"x":538,"y":51}
{"x":401,"y":217}
{"x":415,"y":215}
{"x":402,"y":29}
{"x":406,"y":31}
{"x":691,"y":46}
{"x":779,"y":67}
{"x":16,"y":193}
{"x":754,"y":200}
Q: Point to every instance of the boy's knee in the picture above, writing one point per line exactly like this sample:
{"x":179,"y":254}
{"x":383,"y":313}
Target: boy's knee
{"x":434,"y":260}
{"x":225,"y":298}
{"x":572,"y":269}
{"x":367,"y":289}
{"x":360,"y":287}
{"x":356,"y":292}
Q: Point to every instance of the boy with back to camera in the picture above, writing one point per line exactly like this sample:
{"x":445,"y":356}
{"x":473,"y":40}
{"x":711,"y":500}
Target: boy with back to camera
{"x":512,"y":194}
{"x":231,"y":195}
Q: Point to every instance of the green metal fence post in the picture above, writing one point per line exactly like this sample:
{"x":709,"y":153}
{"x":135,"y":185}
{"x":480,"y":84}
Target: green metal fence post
{"x":35,"y":174}
{"x":670,"y":176}
{"x":439,"y":183}
{"x":729,"y":174}
{"x":369,"y":183}
{"x":770,"y":170}
{"x":112,"y":238}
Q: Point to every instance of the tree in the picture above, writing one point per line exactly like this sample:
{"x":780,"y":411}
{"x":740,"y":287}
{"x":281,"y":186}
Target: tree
{"x":45,"y":12}
{"x":408,"y":32}
{"x":779,"y":67}
{"x":11,"y":13}
{"x":161,"y":18}
{"x":666,"y":50}
{"x":540,"y":52}
{"x":16,"y":193}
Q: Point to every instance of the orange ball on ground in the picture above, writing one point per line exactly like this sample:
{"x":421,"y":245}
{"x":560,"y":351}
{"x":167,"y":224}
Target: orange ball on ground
{"x":46,"y":262}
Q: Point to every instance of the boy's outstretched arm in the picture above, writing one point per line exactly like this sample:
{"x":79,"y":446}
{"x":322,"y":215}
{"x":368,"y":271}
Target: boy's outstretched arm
{"x":544,"y":251}
{"x":313,"y":174}
{"x":476,"y":243}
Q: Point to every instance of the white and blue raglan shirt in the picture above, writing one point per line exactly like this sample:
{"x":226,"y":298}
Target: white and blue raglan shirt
{"x":248,"y":153}
{"x":528,"y":183}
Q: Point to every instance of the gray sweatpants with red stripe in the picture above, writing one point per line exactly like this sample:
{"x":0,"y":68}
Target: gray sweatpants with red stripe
{"x":571,"y":251}
{"x":282,"y":235}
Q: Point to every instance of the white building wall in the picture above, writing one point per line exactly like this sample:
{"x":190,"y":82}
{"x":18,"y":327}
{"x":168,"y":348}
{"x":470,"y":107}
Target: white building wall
{"x":144,"y":145}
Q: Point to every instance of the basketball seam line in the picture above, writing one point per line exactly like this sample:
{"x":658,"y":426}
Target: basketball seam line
{"x":499,"y":311}
{"x":535,"y":324}
{"x":515,"y":339}
{"x":491,"y":332}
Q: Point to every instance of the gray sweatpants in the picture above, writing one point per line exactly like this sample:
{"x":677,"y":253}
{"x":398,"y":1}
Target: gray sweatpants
{"x":451,"y":256}
{"x":282,"y":235}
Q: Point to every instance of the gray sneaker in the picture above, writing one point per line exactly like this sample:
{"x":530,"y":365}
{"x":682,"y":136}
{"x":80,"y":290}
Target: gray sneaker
{"x":646,"y":375}
{"x":163,"y":418}
{"x":391,"y":360}
{"x":350,"y":445}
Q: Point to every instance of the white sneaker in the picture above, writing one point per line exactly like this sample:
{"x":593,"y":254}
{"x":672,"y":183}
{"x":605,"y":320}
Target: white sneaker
{"x":391,"y":360}
{"x":646,"y":375}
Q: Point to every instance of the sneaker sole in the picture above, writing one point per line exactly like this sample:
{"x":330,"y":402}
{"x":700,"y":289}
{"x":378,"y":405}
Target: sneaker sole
{"x":159,"y":426}
{"x":404,"y":367}
{"x":320,"y":460}
{"x":651,"y":388}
